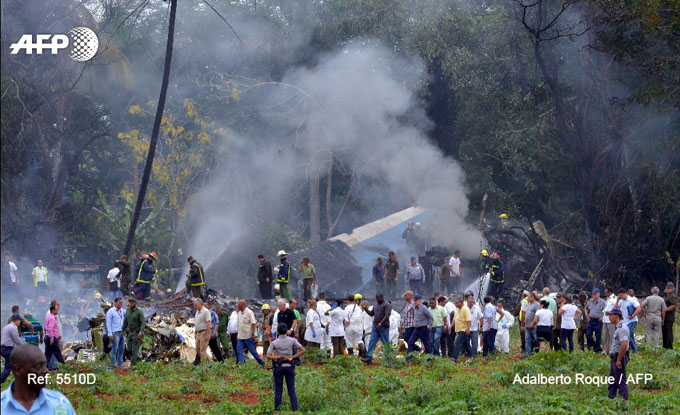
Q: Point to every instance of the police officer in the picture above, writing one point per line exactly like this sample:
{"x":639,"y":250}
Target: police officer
{"x":145,"y":274}
{"x":619,"y":356}
{"x":283,"y":277}
{"x":497,"y":277}
{"x":282,"y":352}
{"x":671,"y":306}
{"x":195,"y":278}
{"x":133,"y":327}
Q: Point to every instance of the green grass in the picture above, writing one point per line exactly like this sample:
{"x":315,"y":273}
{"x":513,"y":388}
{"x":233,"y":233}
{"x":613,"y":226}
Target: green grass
{"x":345,"y":386}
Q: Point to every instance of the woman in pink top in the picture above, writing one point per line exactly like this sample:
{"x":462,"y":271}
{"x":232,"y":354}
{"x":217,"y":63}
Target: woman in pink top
{"x":53,"y":336}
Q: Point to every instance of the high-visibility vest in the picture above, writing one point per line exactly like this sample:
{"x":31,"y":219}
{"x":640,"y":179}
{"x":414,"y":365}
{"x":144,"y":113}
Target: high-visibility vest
{"x":35,"y":275}
{"x":525,"y":300}
{"x":200,"y":273}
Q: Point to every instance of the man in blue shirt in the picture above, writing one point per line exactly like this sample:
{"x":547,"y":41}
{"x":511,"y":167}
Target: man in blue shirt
{"x":379,"y":276}
{"x":489,"y":327}
{"x":26,"y":394}
{"x":630,"y":309}
{"x":114,"y":329}
{"x":214,"y":324}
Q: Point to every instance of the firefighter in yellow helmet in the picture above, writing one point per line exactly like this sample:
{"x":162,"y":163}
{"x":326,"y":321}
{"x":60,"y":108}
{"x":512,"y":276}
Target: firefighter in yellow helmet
{"x":195,"y":278}
{"x":497,"y":276}
{"x":484,"y":262}
{"x":504,"y":220}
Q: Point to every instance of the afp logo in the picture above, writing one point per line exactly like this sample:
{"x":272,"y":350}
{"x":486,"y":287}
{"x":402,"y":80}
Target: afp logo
{"x":83,"y":41}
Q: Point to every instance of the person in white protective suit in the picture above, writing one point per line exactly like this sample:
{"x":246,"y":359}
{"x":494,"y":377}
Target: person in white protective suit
{"x":354,"y":330}
{"x":395,"y":318}
{"x":505,"y":321}
{"x":322,"y":306}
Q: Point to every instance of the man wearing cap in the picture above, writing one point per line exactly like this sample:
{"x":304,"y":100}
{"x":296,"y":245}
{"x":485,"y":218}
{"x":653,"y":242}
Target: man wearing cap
{"x":415,"y":276}
{"x":655,"y":312}
{"x":671,"y":301}
{"x":619,"y":356}
{"x":264,"y":277}
{"x":594,"y":313}
{"x":392,"y":275}
{"x":10,"y":338}
{"x":422,"y":326}
{"x":133,"y":328}
{"x":26,"y":395}
{"x":222,"y":334}
{"x":284,"y":275}
{"x":145,"y":274}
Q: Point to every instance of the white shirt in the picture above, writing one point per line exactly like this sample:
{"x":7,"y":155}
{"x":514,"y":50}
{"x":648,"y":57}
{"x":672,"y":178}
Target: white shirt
{"x":39,"y":273}
{"x":12,"y":271}
{"x":454,"y":263}
{"x":611,"y":301}
{"x":394,"y":327}
{"x":568,"y":316}
{"x":232,"y":325}
{"x":322,"y":306}
{"x":367,"y":321}
{"x":336,"y":327}
{"x":450,"y":308}
{"x":113,"y":272}
{"x":313,"y":318}
{"x":508,"y":320}
{"x":353,"y":315}
{"x":545,"y":317}
{"x":476,"y":315}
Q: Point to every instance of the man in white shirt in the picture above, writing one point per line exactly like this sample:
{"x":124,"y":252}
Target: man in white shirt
{"x":11,"y":268}
{"x":114,"y":281}
{"x":247,"y":332}
{"x":456,"y":271}
{"x":322,"y":306}
{"x":354,"y":330}
{"x":232,"y":329}
{"x":450,"y":335}
{"x":505,"y":321}
{"x":476,"y":317}
{"x":609,"y":327}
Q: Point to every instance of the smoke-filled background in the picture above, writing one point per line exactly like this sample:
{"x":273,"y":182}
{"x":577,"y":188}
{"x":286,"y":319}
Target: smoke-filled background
{"x":327,"y":115}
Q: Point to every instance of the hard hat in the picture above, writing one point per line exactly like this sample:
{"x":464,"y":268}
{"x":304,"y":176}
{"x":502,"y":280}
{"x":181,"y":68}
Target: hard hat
{"x":144,"y":256}
{"x":97,"y":294}
{"x":417,"y":223}
{"x":153,"y":255}
{"x":485,"y":252}
{"x":495,"y":255}
{"x":281,"y":253}
{"x":358,"y":296}
{"x":266,"y":307}
{"x":410,"y":224}
{"x":503,"y":216}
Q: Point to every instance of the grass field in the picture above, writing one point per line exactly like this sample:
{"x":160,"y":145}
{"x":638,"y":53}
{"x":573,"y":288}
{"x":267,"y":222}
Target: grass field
{"x":346,"y":386}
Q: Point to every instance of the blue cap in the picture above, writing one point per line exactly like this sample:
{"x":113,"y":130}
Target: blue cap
{"x":418,"y":297}
{"x":16,"y":317}
{"x":617,"y":312}
{"x":596,"y":291}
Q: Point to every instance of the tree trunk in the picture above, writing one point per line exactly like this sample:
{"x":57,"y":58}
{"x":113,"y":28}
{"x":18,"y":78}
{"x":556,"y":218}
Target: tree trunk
{"x":156,"y":128}
{"x":314,"y":200}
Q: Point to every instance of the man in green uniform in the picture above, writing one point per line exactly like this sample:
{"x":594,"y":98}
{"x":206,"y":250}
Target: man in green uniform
{"x":133,"y":327}
{"x":671,"y":306}
{"x":222,"y":334}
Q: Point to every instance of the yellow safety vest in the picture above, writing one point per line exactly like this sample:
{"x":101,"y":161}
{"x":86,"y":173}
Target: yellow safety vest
{"x":524,"y":301}
{"x":35,"y":275}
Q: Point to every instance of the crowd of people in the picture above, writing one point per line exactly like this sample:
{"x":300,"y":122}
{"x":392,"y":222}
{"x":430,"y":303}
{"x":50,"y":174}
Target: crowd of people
{"x":455,"y":326}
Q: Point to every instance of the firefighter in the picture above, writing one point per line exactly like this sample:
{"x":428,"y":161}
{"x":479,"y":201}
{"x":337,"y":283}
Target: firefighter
{"x":485,"y":263}
{"x":497,"y":278}
{"x":283,"y":277}
{"x":145,"y":274}
{"x":195,"y":278}
{"x":504,"y":220}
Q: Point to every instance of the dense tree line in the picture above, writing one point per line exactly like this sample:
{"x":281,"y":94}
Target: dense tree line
{"x":565,"y":111}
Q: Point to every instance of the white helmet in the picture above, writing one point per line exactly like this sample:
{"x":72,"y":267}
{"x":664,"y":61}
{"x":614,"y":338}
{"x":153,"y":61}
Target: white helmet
{"x":281,"y":253}
{"x":417,"y":223}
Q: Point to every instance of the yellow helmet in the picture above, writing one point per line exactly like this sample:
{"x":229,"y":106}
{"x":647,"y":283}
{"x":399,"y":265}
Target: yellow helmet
{"x":358,"y":296}
{"x":485,"y":252}
{"x":504,"y":216}
{"x":266,"y":307}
